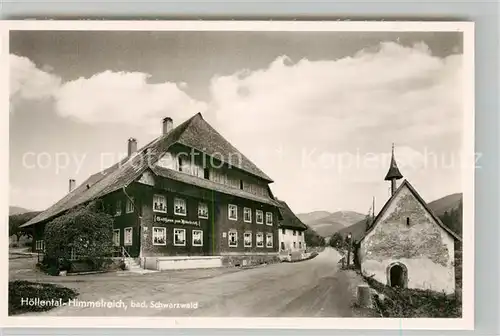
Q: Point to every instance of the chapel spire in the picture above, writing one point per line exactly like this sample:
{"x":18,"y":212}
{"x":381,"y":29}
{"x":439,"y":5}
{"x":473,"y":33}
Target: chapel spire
{"x":393,"y":174}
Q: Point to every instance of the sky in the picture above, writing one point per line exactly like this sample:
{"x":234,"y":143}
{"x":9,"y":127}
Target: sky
{"x":318,"y":112}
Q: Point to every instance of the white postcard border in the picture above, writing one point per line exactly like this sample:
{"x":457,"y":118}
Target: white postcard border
{"x":464,"y":323}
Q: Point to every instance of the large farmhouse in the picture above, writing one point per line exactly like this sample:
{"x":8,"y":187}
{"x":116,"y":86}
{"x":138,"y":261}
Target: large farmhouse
{"x":407,"y":245}
{"x":187,"y":194}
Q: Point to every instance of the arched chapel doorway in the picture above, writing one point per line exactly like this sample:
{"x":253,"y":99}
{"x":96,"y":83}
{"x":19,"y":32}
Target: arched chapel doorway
{"x":397,"y":275}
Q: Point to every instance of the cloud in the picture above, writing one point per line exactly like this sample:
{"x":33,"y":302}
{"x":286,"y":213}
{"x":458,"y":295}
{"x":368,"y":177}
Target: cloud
{"x":390,"y":87}
{"x":123,"y":97}
{"x":27,"y":82}
{"x":355,"y":106}
{"x":107,"y":97}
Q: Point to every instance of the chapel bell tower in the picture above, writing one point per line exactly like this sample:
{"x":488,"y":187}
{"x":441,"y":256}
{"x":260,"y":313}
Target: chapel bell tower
{"x":393,"y":174}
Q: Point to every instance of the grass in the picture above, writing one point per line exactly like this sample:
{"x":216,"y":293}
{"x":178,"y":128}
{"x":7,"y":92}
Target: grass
{"x":414,"y":302}
{"x":36,"y":293}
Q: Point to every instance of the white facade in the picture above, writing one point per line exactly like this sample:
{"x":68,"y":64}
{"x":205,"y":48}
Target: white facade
{"x":291,"y":240}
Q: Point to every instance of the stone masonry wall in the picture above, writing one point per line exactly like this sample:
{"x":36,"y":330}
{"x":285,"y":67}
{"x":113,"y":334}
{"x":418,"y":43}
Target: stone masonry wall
{"x":408,"y":234}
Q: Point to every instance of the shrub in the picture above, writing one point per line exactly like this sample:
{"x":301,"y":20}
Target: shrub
{"x":64,"y":265}
{"x":15,"y":221}
{"x":404,"y":302}
{"x":86,"y":231}
{"x":19,"y":290}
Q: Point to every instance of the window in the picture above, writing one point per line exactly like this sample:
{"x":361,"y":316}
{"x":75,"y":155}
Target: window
{"x":241,"y":184}
{"x":73,"y":255}
{"x":206,"y":173}
{"x":259,"y":239}
{"x":282,"y":246}
{"x":300,"y":233}
{"x":269,"y":218}
{"x":130,"y":205}
{"x":232,"y":238}
{"x":159,"y":203}
{"x":180,"y":206}
{"x":179,"y":237}
{"x":248,"y":239}
{"x":202,"y":210}
{"x":259,"y":217}
{"x":300,"y":244}
{"x":247,"y":215}
{"x":180,"y":163}
{"x":407,"y":221}
{"x":40,"y":245}
{"x":159,"y":236}
{"x":116,"y":237}
{"x":294,"y":232}
{"x":232,"y":212}
{"x":283,"y":231}
{"x":118,"y":208}
{"x":197,"y":238}
{"x":127,"y":239}
{"x":218,"y":176}
{"x":269,"y":240}
{"x":294,"y":244}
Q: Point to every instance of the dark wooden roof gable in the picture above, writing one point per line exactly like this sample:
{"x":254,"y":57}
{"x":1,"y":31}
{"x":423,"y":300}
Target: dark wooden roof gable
{"x":289,"y":219}
{"x":120,"y":175}
{"x":420,"y":200}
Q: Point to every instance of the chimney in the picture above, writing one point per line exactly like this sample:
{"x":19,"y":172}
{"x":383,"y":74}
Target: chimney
{"x":168,"y":125}
{"x":132,"y":146}
{"x":72,"y":184}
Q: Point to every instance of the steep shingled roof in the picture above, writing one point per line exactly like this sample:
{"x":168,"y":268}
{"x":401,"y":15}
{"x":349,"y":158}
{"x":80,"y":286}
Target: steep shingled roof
{"x":420,"y":199}
{"x":190,"y":133}
{"x":290,"y":220}
{"x":393,"y":172}
{"x":210,"y":185}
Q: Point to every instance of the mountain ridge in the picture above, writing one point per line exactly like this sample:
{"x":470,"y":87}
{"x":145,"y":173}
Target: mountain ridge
{"x":446,"y":204}
{"x":17,"y":210}
{"x":326,"y":223}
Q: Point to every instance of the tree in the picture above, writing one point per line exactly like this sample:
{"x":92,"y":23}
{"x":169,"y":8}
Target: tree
{"x":15,"y":222}
{"x":86,"y":230}
{"x":453,"y":219}
{"x":337,"y":241}
{"x":313,"y":239}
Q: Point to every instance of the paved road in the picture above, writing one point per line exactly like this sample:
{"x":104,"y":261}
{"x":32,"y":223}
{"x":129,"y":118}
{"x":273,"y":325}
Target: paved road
{"x":305,"y":289}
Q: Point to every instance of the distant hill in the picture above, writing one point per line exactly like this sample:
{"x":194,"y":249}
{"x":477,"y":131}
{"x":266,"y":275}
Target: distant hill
{"x":357,"y":230}
{"x":312,"y":216}
{"x":451,"y":205}
{"x":447,"y":203}
{"x":326,"y":224}
{"x":15,"y":210}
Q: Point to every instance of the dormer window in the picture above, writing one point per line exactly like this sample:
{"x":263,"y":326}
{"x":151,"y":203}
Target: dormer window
{"x":180,"y":207}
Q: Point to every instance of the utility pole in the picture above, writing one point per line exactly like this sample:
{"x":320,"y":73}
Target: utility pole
{"x":373,"y":209}
{"x":349,"y":245}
